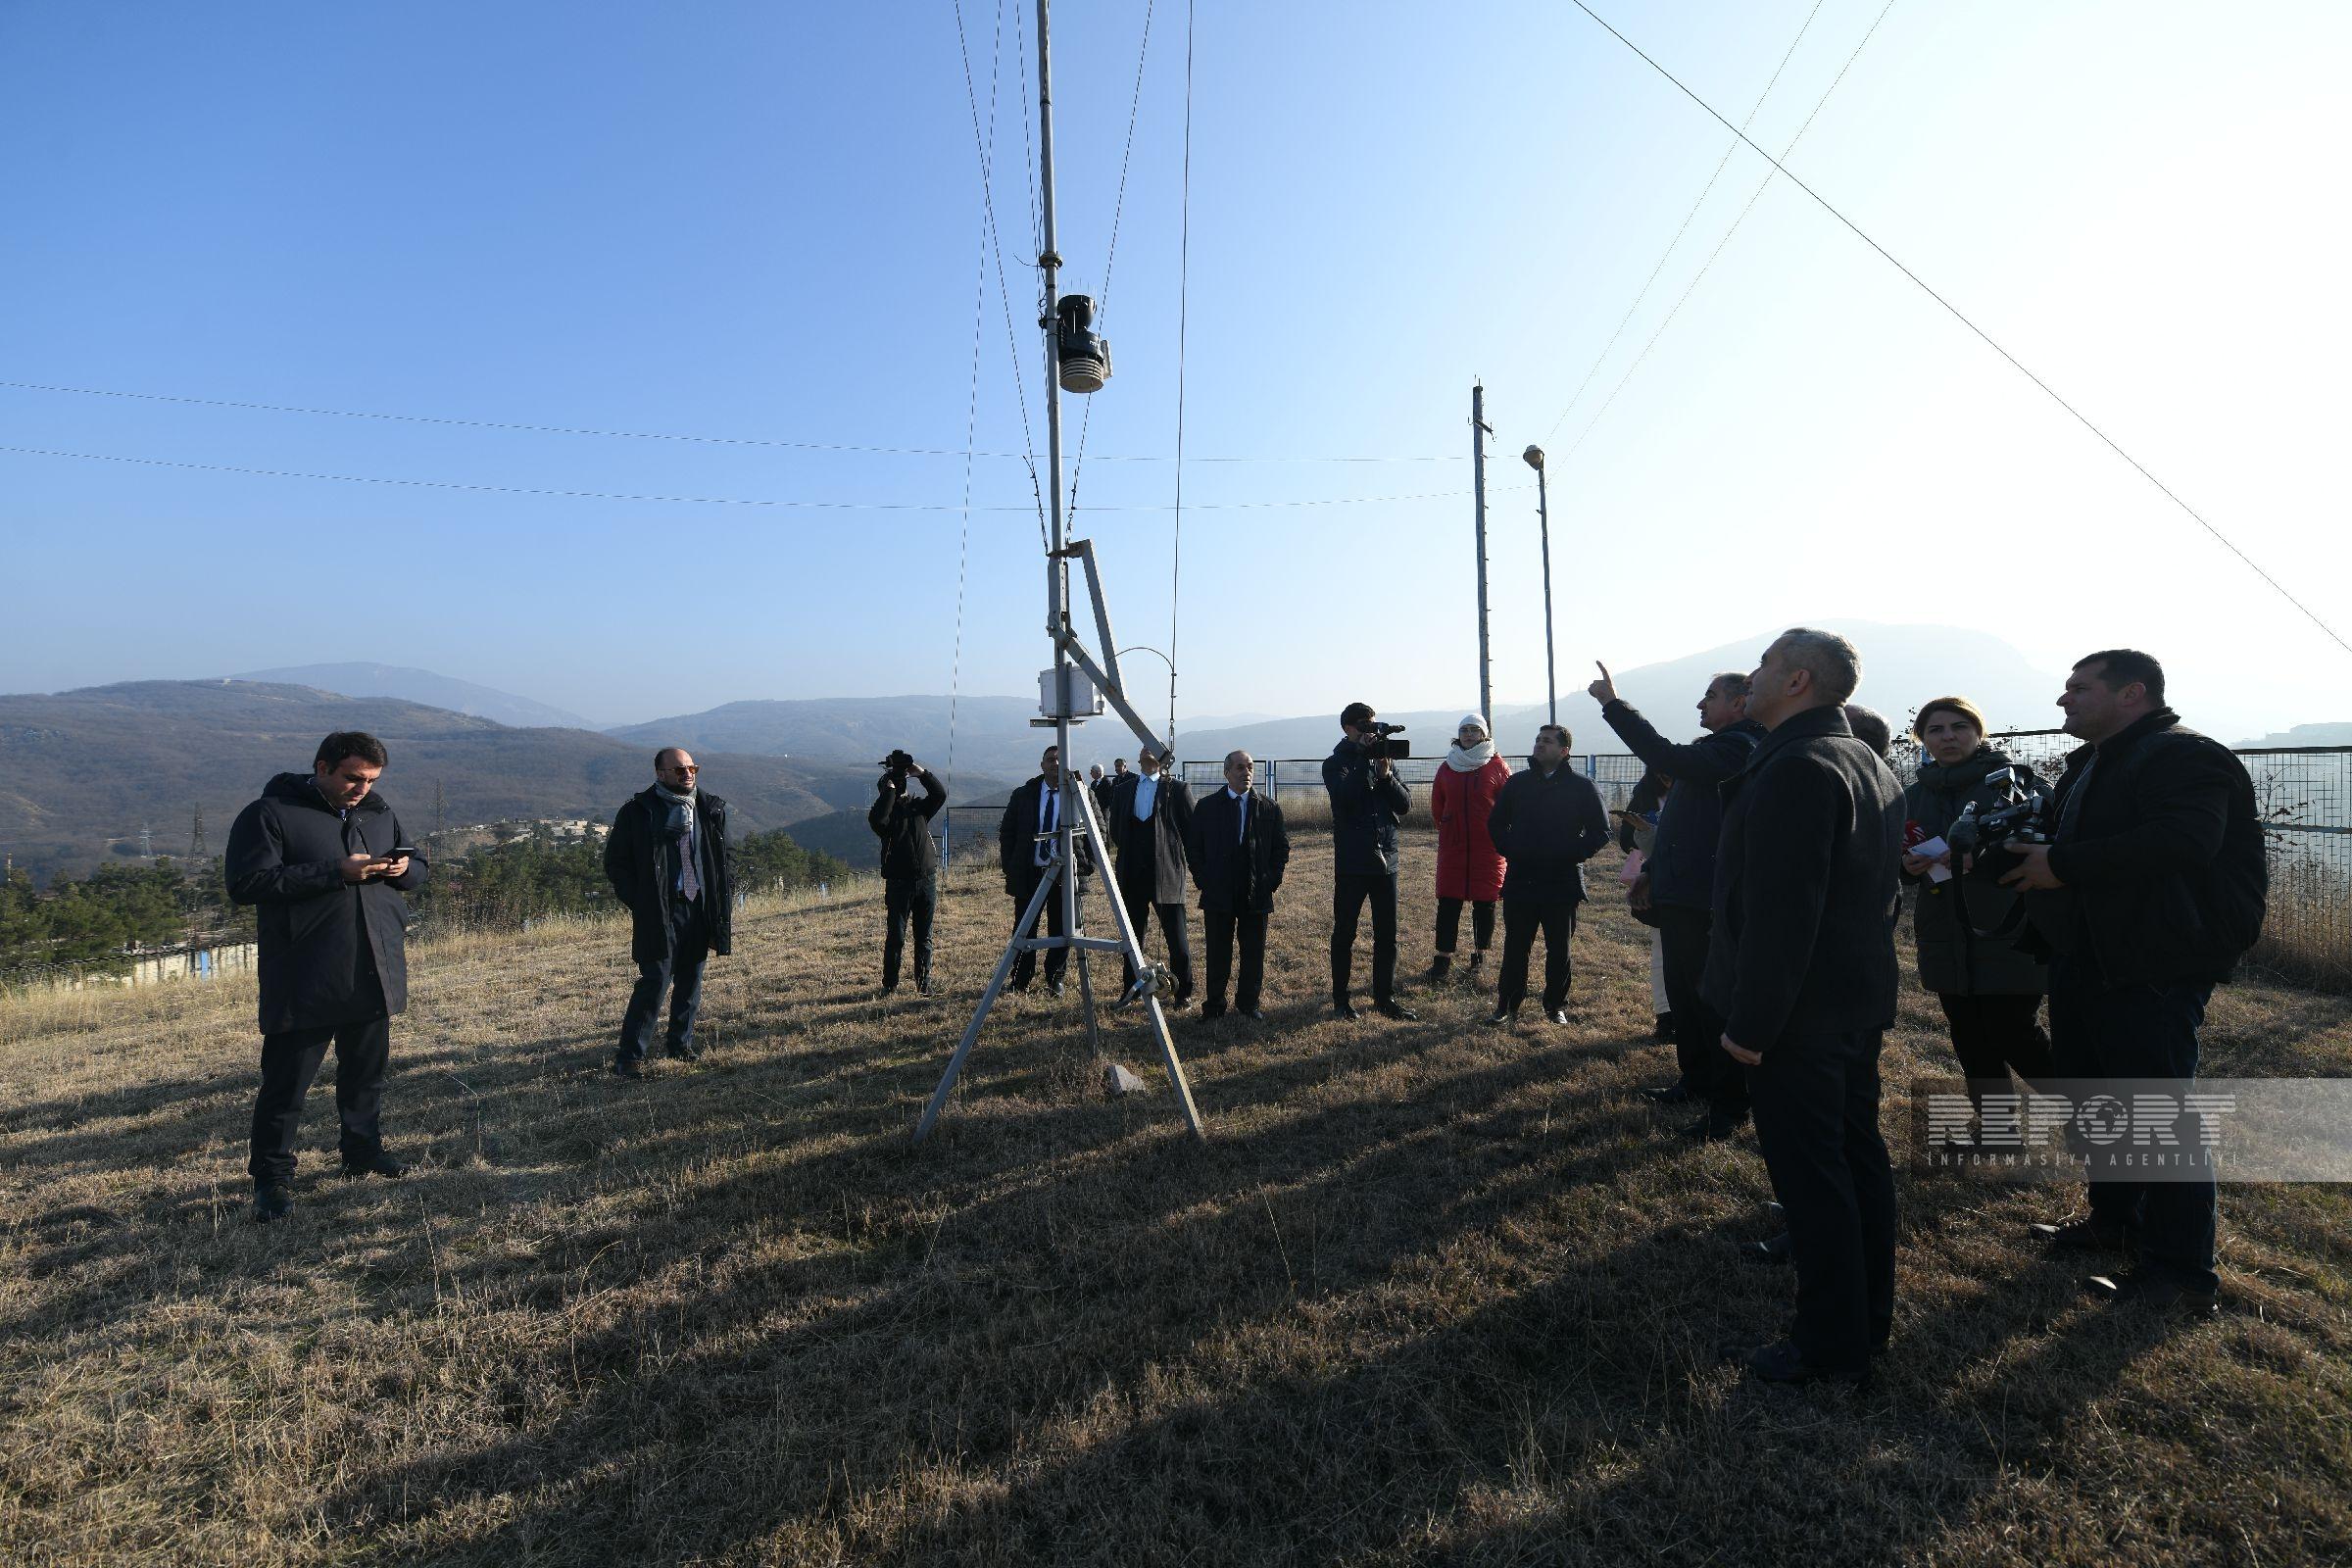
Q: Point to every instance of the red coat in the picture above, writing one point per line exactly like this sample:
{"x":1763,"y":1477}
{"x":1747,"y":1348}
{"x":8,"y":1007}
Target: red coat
{"x":1467,"y":866}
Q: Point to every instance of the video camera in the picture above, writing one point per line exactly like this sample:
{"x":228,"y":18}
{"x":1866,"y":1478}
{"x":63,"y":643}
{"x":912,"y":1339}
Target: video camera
{"x":2016,"y":814}
{"x":1384,"y":742}
{"x":894,"y":768}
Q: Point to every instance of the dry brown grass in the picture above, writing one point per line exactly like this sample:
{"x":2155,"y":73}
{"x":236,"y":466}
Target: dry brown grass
{"x":1431,"y":1293}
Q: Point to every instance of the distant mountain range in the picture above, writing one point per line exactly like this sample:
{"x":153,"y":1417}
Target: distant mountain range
{"x":83,"y":772}
{"x":2306,"y":735}
{"x":422,"y":686}
{"x":992,"y":734}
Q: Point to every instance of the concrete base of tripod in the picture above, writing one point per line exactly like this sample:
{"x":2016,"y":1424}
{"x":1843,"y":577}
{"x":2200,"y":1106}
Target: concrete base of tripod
{"x":1079,"y":944}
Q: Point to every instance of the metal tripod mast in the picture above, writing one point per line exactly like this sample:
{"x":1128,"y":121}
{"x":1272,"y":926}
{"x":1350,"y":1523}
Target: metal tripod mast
{"x":1075,"y":804}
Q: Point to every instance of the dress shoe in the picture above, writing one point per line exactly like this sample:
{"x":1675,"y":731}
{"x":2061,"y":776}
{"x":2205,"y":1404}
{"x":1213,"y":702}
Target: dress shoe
{"x":377,"y":1164}
{"x":628,"y":1068}
{"x":1665,"y":1028}
{"x":1053,"y":990}
{"x":1784,"y":1362}
{"x":1180,"y":1005}
{"x":2087,"y":1236}
{"x":1394,"y":1010}
{"x":1772,"y":1251}
{"x":1556,"y":1015}
{"x":2152,"y":1292}
{"x":271,"y":1203}
{"x":1253,"y":1015}
{"x":1666,"y":1095}
{"x":1211,"y":1009}
{"x":683,"y":1052}
{"x":1502,"y":1017}
{"x":1713,"y":1128}
{"x":1345,"y":1009}
{"x":922,"y":987}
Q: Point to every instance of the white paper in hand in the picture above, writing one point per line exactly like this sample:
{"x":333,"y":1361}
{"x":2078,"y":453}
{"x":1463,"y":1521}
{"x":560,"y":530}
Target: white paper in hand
{"x":1933,"y":847}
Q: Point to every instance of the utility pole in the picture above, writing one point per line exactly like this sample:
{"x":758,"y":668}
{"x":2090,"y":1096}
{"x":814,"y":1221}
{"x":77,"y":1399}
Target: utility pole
{"x":1551,"y":683}
{"x":198,"y":850}
{"x":1478,"y":485}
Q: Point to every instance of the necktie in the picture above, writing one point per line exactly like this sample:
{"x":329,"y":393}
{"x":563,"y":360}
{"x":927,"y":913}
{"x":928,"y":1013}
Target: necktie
{"x":1049,"y":819}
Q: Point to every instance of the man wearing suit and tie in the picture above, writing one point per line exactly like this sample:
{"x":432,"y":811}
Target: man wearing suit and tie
{"x":1150,"y":812}
{"x":1239,"y":851}
{"x":1024,"y":849}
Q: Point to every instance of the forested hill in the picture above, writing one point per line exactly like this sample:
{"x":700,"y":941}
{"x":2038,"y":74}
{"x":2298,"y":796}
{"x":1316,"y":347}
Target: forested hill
{"x":83,"y":772}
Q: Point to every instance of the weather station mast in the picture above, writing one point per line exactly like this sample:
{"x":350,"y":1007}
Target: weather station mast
{"x":1079,"y":685}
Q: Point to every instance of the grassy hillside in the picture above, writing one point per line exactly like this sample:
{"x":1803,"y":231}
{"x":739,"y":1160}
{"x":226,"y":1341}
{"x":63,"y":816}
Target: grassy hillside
{"x":1430,"y":1293}
{"x":78,"y":769}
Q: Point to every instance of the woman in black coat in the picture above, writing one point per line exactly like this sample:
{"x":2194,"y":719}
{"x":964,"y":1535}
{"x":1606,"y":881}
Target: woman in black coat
{"x":1990,"y":992}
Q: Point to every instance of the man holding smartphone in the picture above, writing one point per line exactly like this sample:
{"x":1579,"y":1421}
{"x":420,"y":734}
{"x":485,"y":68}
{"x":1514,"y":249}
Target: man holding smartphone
{"x":324,"y":861}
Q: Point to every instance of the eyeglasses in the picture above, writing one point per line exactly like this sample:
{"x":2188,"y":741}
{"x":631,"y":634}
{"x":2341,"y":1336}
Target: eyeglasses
{"x":684,"y":767}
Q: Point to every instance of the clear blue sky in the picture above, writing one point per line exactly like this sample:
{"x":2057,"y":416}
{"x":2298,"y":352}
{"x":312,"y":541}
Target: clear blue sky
{"x":763,"y":221}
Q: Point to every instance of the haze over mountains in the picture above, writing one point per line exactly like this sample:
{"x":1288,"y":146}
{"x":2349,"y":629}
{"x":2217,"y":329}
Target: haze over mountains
{"x":422,"y":686}
{"x":83,"y":772}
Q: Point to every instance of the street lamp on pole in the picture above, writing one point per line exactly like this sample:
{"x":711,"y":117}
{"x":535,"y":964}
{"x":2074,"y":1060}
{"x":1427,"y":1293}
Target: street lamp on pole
{"x":1534,"y":456}
{"x":1146,"y":648}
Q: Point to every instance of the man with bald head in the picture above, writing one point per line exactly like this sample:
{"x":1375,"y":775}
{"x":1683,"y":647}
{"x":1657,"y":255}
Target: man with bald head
{"x":1238,"y":851}
{"x":1801,"y":969}
{"x":667,"y":856}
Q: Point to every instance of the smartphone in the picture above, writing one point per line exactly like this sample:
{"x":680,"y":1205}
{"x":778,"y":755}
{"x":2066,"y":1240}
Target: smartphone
{"x":397,"y":852}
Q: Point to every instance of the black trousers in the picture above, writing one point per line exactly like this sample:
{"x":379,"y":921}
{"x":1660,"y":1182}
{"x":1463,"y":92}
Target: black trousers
{"x":1219,"y":928}
{"x":906,"y":899}
{"x":1172,"y":925}
{"x":1707,"y":1070}
{"x":1817,"y":1121}
{"x":289,"y":1062}
{"x":1349,"y":891}
{"x":1991,"y":1035}
{"x":680,"y":974}
{"x":1449,"y":923}
{"x":2141,"y":1032}
{"x":1057,"y":962}
{"x":1522,"y":918}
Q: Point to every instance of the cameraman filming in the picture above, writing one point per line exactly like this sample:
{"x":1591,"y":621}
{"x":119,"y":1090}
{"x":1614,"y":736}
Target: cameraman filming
{"x":909,"y":864}
{"x":2152,"y":886}
{"x":1367,"y":800}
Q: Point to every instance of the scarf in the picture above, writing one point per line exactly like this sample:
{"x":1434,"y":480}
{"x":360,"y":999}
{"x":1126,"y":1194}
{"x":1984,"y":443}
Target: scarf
{"x":1470,"y":759}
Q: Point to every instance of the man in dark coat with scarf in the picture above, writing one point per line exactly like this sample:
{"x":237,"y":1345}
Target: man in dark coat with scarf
{"x":910,"y":865}
{"x":325,"y":861}
{"x":1367,"y":800}
{"x":667,"y":860}
{"x":1151,"y":813}
{"x":1545,"y":824}
{"x":1679,"y":882}
{"x":1801,"y":968}
{"x":2152,"y":888}
{"x":1238,"y":851}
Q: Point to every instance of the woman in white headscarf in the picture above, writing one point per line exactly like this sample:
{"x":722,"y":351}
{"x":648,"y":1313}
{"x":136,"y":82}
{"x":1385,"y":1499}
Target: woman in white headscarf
{"x":1469,"y":870}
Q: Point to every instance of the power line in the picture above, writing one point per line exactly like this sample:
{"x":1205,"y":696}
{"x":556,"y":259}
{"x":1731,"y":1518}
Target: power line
{"x":1667,"y":255}
{"x":1698,"y":277}
{"x":1959,"y":315}
{"x":674,"y":500}
{"x":671,"y":435}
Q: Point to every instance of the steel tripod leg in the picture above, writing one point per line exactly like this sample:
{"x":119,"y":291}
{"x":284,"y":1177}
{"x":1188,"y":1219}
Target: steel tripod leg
{"x":1134,"y":944}
{"x":988,"y":999}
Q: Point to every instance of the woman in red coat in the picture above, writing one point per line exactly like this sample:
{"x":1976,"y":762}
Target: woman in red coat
{"x":1468,"y":869}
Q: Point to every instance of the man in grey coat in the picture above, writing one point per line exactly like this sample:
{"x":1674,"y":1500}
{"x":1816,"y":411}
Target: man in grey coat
{"x":325,"y":861}
{"x":1149,"y":818}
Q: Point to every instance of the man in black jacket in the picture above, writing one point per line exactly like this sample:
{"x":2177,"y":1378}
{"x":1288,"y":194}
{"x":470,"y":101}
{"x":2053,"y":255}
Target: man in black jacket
{"x":910,"y":865}
{"x":1024,"y":849}
{"x":1367,"y":800}
{"x":1545,"y":824}
{"x":666,"y":859}
{"x":2152,"y":888}
{"x":325,"y":861}
{"x":1239,"y":851}
{"x":1679,"y":878}
{"x":1150,"y":814}
{"x":1801,"y":969}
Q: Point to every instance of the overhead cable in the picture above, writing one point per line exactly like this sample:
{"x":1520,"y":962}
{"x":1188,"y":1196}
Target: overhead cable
{"x":1962,"y":318}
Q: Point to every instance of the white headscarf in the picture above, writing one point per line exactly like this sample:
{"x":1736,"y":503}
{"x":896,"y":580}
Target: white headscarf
{"x":1470,"y":758}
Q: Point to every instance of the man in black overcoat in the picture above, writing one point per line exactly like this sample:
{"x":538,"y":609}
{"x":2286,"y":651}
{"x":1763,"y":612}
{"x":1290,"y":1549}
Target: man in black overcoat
{"x":666,"y":859}
{"x":325,"y":861}
{"x":1151,"y":813}
{"x":1239,"y":852}
{"x":910,"y":865}
{"x":1801,"y":968}
{"x":1024,"y":849}
{"x":1546,"y":824}
{"x":1367,"y":801}
{"x":2152,"y":888}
